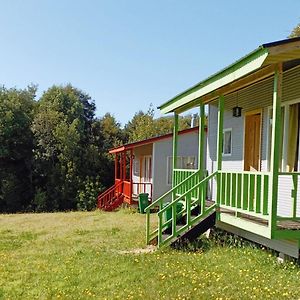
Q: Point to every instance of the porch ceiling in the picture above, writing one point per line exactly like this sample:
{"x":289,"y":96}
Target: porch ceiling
{"x":254,"y":67}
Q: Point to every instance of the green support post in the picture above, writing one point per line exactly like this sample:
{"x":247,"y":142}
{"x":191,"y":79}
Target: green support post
{"x":201,"y":153}
{"x":201,"y":139}
{"x":219,"y":147}
{"x":275,"y":146}
{"x":175,"y":143}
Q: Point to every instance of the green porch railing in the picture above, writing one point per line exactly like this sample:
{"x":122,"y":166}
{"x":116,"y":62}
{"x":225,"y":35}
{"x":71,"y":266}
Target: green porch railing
{"x":182,"y":174}
{"x":246,"y":192}
{"x":186,"y":197}
{"x":160,"y":202}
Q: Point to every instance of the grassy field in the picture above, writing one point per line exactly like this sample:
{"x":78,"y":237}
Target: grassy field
{"x":82,"y":255}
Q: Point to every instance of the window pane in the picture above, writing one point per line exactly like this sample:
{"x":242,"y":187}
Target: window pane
{"x":227,"y":142}
{"x":188,"y":162}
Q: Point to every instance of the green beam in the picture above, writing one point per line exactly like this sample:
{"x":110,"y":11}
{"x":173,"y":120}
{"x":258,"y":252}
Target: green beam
{"x":175,"y":145}
{"x":201,"y":139}
{"x":275,"y":146}
{"x":220,"y":132}
{"x":219,"y":151}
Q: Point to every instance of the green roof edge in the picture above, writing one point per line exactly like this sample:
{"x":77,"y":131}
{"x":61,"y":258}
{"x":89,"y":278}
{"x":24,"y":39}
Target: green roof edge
{"x":227,"y":70}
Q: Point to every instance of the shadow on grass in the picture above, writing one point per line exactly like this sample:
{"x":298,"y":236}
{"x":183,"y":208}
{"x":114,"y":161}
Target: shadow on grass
{"x":219,"y":238}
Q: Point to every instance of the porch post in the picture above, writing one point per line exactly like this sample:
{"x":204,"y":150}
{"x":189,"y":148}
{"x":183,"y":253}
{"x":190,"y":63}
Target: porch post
{"x":201,"y":139}
{"x":220,"y":145}
{"x":116,"y":166}
{"x":124,"y":165}
{"x":130,"y":176}
{"x":175,"y":143}
{"x":275,"y":146}
{"x":121,"y":166}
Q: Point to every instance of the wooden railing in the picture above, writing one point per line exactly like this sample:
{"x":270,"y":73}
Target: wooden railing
{"x":106,"y":199}
{"x":143,"y":187}
{"x":246,"y":192}
{"x":182,"y":174}
{"x":190,"y":186}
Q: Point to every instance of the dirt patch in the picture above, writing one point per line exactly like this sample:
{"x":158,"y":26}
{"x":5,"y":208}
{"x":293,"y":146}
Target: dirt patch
{"x":148,"y":249}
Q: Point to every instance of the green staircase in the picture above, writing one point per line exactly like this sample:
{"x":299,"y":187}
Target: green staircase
{"x":176,"y":221}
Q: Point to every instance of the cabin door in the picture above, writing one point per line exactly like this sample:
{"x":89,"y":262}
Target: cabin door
{"x":146,"y":174}
{"x":252,"y":143}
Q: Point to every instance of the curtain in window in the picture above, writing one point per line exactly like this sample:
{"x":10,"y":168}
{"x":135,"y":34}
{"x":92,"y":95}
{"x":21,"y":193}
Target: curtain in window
{"x":293,"y":137}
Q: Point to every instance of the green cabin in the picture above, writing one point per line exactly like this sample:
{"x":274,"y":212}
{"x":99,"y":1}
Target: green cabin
{"x":250,"y":183}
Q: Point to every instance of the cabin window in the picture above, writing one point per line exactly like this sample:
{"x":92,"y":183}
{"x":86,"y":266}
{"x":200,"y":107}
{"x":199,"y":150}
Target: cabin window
{"x":183,"y":162}
{"x":147,"y":168}
{"x":136,"y":167}
{"x":227,"y":142}
{"x":289,"y":138}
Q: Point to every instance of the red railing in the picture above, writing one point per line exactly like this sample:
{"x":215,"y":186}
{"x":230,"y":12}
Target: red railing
{"x":127,"y":191}
{"x":110,"y":198}
{"x":143,"y":187}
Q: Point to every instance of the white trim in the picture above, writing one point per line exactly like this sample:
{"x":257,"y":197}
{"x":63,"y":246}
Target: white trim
{"x":227,"y":154}
{"x":286,"y":113}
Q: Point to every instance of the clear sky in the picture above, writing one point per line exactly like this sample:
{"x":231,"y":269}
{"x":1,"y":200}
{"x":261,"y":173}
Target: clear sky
{"x":128,"y":54}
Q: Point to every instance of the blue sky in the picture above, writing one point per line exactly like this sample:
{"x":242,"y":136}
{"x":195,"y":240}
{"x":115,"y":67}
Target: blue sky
{"x":128,"y":54}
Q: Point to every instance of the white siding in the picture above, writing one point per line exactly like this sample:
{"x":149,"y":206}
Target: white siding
{"x":187,"y":146}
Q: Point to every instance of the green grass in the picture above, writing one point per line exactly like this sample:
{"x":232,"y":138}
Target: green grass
{"x":82,"y":255}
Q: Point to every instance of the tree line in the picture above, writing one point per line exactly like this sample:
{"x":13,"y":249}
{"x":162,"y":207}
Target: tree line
{"x":54,"y":150}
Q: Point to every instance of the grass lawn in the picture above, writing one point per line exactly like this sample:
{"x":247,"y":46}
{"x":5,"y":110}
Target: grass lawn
{"x":82,"y":255}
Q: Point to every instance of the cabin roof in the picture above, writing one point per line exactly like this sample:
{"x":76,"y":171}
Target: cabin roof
{"x":150,"y":140}
{"x":256,"y":65}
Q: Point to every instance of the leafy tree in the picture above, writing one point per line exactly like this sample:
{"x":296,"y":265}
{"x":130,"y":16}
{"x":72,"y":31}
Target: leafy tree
{"x":295,"y":32}
{"x":61,"y":127}
{"x":144,"y":125}
{"x":16,"y":146}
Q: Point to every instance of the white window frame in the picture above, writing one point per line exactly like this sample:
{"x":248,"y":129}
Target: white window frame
{"x":223,"y":142}
{"x":283,"y":163}
{"x":147,"y":162}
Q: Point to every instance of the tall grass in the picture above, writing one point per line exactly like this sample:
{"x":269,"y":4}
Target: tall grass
{"x":82,"y":255}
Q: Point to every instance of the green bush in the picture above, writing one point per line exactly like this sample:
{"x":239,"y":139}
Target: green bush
{"x":87,"y":195}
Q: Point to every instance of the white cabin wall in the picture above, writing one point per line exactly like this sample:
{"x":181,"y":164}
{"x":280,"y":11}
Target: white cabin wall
{"x":187,"y":146}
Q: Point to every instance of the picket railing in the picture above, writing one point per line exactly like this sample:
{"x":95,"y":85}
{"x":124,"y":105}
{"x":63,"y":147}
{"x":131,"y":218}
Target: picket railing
{"x":246,"y":192}
{"x":161,"y":201}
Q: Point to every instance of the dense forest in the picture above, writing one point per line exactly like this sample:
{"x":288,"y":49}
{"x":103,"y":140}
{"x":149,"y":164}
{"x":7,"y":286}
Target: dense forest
{"x":54,"y":150}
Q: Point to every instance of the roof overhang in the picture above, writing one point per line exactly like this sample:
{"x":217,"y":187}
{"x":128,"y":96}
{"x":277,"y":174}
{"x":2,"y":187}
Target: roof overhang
{"x":134,"y":145}
{"x":255,"y":66}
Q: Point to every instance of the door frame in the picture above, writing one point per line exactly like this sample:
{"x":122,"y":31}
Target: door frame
{"x":249,"y":113}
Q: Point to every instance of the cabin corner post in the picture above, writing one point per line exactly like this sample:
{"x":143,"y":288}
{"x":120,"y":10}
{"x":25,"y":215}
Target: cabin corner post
{"x":131,"y":174}
{"x":201,"y":140}
{"x":175,"y":146}
{"x":219,"y":148}
{"x":275,"y":146}
{"x":116,"y":166}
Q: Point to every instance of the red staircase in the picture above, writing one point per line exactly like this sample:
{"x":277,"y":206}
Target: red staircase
{"x":111,"y":198}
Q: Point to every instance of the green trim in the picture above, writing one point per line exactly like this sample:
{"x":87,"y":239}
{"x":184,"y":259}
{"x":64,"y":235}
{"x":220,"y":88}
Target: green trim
{"x":276,"y":134}
{"x":201,"y":151}
{"x":175,"y":144}
{"x":217,"y":76}
{"x":220,"y":132}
